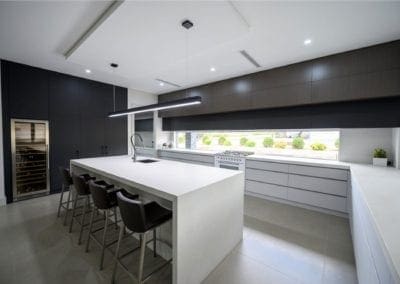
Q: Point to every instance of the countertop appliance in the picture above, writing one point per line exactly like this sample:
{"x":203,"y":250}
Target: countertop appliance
{"x":233,"y":160}
{"x":30,"y":158}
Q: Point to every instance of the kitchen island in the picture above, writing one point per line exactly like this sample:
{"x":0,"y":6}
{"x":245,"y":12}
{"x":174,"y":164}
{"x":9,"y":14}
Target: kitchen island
{"x":207,"y":205}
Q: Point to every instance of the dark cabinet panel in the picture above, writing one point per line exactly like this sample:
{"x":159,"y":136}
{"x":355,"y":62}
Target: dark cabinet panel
{"x":330,"y":90}
{"x":64,"y":146}
{"x":91,"y":137}
{"x":94,"y":99}
{"x":383,"y":84}
{"x":28,"y":91}
{"x":115,"y":133}
{"x":64,"y":124}
{"x":357,"y":87}
{"x":64,"y":96}
{"x":283,"y":76}
{"x":299,"y":94}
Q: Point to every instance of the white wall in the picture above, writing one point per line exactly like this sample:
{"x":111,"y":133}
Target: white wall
{"x":396,"y":147}
{"x":2,"y":187}
{"x":357,"y":145}
{"x":147,"y":137}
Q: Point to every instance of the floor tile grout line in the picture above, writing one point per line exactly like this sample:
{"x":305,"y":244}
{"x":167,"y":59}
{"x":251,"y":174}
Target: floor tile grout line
{"x":266,"y":265}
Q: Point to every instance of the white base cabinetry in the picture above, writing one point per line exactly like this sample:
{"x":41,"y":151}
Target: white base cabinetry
{"x":319,"y":187}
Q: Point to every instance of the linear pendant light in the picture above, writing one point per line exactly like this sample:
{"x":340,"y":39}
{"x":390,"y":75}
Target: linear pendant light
{"x":160,"y":106}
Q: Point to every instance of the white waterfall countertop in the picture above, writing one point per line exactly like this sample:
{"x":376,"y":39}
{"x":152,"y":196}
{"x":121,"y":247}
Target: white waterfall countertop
{"x":171,"y":178}
{"x":207,"y":207}
{"x":380,"y":187}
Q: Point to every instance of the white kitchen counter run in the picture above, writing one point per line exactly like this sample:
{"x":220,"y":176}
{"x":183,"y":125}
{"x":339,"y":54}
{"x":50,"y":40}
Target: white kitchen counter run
{"x":171,"y":179}
{"x":273,"y":158}
{"x":380,"y":188}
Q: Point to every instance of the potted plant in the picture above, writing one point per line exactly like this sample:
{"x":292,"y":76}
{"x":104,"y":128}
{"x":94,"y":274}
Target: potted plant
{"x":380,"y":158}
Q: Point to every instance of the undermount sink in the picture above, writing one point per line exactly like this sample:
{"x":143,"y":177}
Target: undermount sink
{"x":147,"y":161}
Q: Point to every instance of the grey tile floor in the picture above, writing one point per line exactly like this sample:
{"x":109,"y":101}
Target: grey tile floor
{"x":281,"y":244}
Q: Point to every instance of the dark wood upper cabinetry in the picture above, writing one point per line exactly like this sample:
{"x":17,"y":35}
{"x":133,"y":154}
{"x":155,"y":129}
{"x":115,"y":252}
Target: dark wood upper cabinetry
{"x":76,"y":109}
{"x":367,"y":73}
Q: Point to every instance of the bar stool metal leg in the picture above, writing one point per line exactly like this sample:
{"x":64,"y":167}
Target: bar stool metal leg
{"x":115,"y":218}
{"x":83,"y":219}
{"x":155,"y":242}
{"x":121,"y":234}
{"x":141,"y":259}
{"x":67,"y":210}
{"x":61,"y":200}
{"x":90,"y":229}
{"x":103,"y":247}
{"x":73,"y":212}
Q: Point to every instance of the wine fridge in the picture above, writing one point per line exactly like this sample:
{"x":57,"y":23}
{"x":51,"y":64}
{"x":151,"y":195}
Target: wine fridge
{"x":30,"y":158}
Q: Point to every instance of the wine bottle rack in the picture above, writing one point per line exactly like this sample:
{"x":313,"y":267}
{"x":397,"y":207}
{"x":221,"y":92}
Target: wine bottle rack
{"x":30,"y":158}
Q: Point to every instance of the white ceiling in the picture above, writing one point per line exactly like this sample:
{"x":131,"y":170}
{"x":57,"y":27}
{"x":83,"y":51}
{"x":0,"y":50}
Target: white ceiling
{"x":146,"y":39}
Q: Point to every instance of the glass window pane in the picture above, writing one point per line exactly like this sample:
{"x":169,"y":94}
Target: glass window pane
{"x":322,"y":144}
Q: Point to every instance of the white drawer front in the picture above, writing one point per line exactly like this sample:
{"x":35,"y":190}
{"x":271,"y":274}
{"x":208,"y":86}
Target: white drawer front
{"x":319,"y":172}
{"x":267,"y":176}
{"x":336,"y":203}
{"x":185,"y":156}
{"x":319,"y":184}
{"x":277,"y":167}
{"x":266,"y":189}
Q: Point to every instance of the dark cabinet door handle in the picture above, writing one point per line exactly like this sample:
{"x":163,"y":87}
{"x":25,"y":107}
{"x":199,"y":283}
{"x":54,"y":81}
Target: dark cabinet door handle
{"x":77,"y":153}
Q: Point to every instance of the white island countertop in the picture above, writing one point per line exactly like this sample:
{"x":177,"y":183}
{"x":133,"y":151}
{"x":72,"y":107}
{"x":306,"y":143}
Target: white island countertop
{"x":206,"y":203}
{"x":169,"y":178}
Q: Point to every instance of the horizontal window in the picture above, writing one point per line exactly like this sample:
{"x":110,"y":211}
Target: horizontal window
{"x":320,"y":144}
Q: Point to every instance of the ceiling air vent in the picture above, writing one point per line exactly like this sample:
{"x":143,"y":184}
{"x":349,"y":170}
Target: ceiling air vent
{"x":168,"y":83}
{"x":249,"y":58}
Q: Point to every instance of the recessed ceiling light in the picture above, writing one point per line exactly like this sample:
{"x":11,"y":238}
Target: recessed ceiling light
{"x":212,"y":69}
{"x":307,"y":41}
{"x":88,"y":71}
{"x":161,"y":84}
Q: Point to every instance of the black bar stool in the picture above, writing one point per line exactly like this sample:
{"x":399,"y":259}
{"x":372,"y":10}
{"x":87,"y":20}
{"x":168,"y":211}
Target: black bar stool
{"x":140,"y":218}
{"x":81,"y":190}
{"x":104,"y":198}
{"x":66,"y":185}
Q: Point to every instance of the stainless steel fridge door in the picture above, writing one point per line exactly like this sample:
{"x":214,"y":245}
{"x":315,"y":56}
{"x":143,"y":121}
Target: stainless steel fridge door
{"x":30,"y":158}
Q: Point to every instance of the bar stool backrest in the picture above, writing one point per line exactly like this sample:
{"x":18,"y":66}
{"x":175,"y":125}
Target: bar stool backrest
{"x":80,"y":184}
{"x":100,"y":196}
{"x":132,"y":213}
{"x":66,"y":176}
